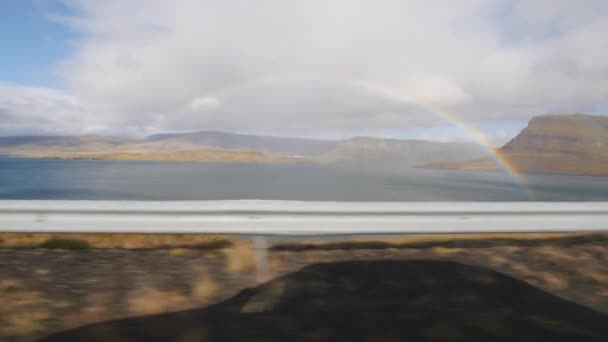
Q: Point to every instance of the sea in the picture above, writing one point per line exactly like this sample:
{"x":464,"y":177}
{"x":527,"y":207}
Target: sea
{"x":40,"y":179}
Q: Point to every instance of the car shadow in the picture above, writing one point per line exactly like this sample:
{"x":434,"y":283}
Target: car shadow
{"x":370,"y":301}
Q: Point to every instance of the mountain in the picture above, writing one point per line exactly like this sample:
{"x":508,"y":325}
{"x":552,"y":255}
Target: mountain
{"x":232,"y":141}
{"x":408,"y":151}
{"x":204,"y":155}
{"x":213,"y":146}
{"x":84,"y":142}
{"x":563,"y":144}
{"x":111,"y":148}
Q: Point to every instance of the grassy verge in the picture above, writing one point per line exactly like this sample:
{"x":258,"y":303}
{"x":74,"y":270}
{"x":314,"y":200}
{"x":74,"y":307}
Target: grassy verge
{"x":118,"y":241}
{"x":180,"y":242}
{"x":447,"y":241}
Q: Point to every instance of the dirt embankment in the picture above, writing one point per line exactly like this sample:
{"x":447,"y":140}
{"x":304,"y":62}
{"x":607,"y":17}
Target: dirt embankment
{"x":49,"y":290}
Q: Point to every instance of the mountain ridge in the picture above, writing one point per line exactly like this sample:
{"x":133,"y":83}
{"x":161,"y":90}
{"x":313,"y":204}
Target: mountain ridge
{"x":208,"y":145}
{"x":552,"y":144}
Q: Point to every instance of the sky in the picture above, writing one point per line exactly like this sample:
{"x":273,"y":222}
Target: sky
{"x":438,"y":70}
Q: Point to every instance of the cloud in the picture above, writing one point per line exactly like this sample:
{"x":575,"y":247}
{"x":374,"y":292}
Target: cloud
{"x":37,"y":110}
{"x":30,"y":109}
{"x":204,"y":102}
{"x":331,"y":67}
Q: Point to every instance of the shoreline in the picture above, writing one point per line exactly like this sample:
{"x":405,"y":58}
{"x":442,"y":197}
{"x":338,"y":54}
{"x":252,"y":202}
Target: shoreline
{"x":207,"y":155}
{"x":498,"y":169}
{"x":252,"y":157}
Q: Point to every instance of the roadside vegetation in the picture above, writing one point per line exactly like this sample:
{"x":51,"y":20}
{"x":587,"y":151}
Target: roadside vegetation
{"x":113,"y":241}
{"x":444,"y":242}
{"x":179,"y":244}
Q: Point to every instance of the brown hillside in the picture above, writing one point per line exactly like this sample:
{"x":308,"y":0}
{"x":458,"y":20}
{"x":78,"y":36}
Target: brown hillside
{"x":566,"y":144}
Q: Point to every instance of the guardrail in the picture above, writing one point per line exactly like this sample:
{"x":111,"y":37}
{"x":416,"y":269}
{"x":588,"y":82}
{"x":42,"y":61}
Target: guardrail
{"x":264,"y":218}
{"x":284,"y":218}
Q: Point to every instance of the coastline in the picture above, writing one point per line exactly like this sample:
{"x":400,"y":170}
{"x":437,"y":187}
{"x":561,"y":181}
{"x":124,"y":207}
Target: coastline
{"x":529,"y":166}
{"x":211,"y":156}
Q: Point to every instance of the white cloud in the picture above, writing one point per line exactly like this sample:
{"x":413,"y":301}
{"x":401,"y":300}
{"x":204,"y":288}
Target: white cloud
{"x":35,"y":110}
{"x":30,"y":109}
{"x":204,"y":102}
{"x":318,"y":67}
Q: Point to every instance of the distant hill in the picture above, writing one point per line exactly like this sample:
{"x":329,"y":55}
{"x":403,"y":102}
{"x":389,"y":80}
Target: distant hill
{"x":203,"y":155}
{"x":232,"y":141}
{"x":564,"y":144}
{"x":27,"y":145}
{"x":396,"y":150}
{"x":209,"y":146}
{"x":83,"y":142}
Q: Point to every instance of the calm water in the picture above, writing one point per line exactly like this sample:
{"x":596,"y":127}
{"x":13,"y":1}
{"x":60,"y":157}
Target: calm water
{"x":132,"y":180}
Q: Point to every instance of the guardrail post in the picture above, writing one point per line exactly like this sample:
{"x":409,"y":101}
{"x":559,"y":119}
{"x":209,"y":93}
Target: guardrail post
{"x":261,"y":258}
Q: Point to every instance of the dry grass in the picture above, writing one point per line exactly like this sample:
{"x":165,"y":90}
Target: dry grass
{"x":446,"y":250}
{"x":552,"y":280}
{"x":65,"y":243}
{"x":430,"y":241}
{"x":147,"y":301}
{"x":498,"y":260}
{"x":26,"y":312}
{"x":598,"y":276}
{"x":181,"y":243}
{"x":276,"y":263}
{"x":241,"y":257}
{"x":96,"y":310}
{"x":205,"y":290}
{"x":23,"y":312}
{"x":180,"y":252}
{"x":557,"y":254}
{"x":512,"y":249}
{"x":521,"y":269}
{"x":42,"y":271}
{"x":121,"y":241}
{"x":541,"y":279}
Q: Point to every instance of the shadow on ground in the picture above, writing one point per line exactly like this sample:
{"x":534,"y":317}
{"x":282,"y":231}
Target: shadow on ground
{"x":506,"y":241}
{"x":371,"y":301}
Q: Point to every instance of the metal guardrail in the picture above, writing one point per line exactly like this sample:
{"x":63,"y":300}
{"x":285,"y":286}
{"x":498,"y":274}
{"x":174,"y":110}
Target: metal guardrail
{"x":288,"y":218}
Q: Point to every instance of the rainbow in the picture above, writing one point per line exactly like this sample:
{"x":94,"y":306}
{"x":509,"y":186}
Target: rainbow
{"x":391,"y":93}
{"x":479,"y":137}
